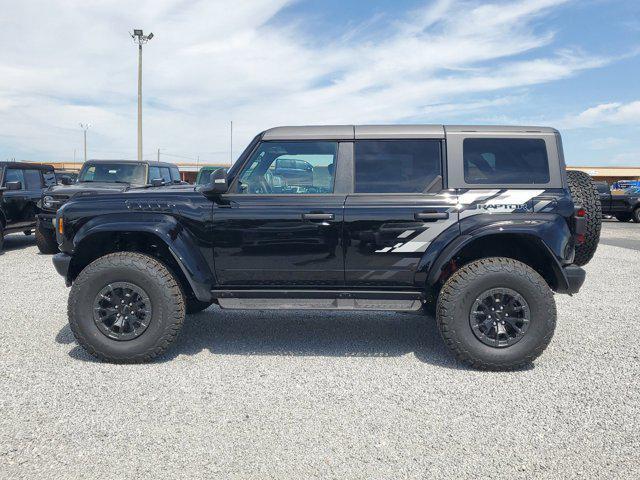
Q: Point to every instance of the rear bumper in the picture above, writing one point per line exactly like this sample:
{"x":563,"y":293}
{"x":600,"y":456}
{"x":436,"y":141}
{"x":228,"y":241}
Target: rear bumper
{"x":62,"y":261}
{"x":575,"y":278}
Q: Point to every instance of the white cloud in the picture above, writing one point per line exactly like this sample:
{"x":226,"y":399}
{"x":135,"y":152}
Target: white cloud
{"x":212,"y":61}
{"x":608,"y":114}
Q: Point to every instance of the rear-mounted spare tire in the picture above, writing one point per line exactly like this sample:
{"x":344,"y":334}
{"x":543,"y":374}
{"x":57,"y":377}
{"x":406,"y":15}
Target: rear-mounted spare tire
{"x":585,"y":195}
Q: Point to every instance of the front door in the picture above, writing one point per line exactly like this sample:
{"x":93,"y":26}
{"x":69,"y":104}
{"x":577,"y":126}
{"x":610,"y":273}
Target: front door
{"x":398,"y":207}
{"x":15,"y":202}
{"x":276,"y":230}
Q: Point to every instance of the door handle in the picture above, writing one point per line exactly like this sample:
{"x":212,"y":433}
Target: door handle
{"x":318,"y":216}
{"x":431,"y":216}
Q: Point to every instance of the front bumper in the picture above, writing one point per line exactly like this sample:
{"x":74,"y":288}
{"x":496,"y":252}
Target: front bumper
{"x":575,"y":278}
{"x":62,"y":261}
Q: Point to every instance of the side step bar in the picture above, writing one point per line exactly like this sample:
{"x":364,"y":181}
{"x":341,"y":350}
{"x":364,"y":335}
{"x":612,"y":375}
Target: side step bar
{"x":400,"y":301}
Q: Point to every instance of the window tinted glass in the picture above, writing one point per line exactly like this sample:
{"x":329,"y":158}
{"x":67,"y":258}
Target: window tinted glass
{"x":505,"y":160}
{"x":396,"y":166}
{"x":166,"y":174}
{"x":154,"y":173}
{"x":175,"y":174}
{"x":603,"y":188}
{"x":290,"y":168}
{"x":32,"y":180}
{"x":114,"y":173}
{"x":14,"y":175}
{"x":49,"y":178}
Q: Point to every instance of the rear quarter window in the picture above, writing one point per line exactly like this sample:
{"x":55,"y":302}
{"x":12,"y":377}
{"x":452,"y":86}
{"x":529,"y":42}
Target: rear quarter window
{"x":505,"y":160}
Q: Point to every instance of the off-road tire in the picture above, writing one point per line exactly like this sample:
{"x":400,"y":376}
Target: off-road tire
{"x":193,"y":305}
{"x":458,"y":295}
{"x":636,"y":215}
{"x":46,"y":242}
{"x":165,"y":294}
{"x":1,"y":236}
{"x":585,"y":194}
{"x":623,"y":217}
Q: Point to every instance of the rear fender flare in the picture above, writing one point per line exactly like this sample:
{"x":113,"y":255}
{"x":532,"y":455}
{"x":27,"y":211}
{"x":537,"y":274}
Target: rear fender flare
{"x":533,"y":230}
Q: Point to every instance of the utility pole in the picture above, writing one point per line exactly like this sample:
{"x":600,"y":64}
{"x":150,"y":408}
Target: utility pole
{"x":231,"y":146}
{"x":84,"y":127}
{"x":158,"y":155}
{"x":140,"y":39}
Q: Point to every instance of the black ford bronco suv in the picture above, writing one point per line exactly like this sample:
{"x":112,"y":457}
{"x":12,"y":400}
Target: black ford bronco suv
{"x":624,"y":206}
{"x":478,"y":222}
{"x":21,"y":184}
{"x":98,"y":176}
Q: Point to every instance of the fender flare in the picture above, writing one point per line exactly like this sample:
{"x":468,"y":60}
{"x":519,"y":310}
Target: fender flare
{"x":433,"y":265}
{"x":168,"y":230}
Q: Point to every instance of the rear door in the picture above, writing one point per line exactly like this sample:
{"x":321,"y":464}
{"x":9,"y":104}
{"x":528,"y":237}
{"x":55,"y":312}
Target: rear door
{"x":398,"y":206}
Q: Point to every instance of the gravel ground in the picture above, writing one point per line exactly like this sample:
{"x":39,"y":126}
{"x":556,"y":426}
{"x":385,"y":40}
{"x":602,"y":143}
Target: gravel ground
{"x":299,"y":395}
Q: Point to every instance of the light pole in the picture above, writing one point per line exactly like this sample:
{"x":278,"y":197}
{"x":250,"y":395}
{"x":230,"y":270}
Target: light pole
{"x":84,"y":127}
{"x":140,"y":39}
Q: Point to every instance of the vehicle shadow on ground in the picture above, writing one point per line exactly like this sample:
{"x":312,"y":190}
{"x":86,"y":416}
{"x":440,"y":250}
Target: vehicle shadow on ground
{"x":17,"y":241}
{"x":328,"y":334}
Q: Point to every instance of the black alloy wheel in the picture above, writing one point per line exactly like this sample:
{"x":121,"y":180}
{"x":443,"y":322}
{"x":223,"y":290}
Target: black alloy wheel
{"x":122,"y":311}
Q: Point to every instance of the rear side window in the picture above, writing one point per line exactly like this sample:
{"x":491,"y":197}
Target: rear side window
{"x":154,"y":173}
{"x":175,"y":174}
{"x":397,"y":166}
{"x":505,"y":160}
{"x":32,"y":179}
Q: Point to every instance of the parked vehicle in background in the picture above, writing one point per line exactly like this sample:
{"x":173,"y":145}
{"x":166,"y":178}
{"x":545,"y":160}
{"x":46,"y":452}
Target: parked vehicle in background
{"x":99,"y":176}
{"x":70,"y":174}
{"x":481,"y":224}
{"x":623,"y":206}
{"x":204,"y":174}
{"x":625,"y":184}
{"x":23,"y":184}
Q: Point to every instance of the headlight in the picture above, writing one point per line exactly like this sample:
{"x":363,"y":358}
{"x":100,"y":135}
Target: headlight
{"x":48,"y":202}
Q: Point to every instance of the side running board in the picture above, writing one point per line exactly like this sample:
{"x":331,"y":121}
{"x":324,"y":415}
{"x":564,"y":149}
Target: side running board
{"x":399,"y":301}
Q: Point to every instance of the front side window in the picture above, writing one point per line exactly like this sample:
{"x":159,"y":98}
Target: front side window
{"x":505,"y":160}
{"x":290,"y":168}
{"x":32,"y":180}
{"x":114,"y":173}
{"x":49,"y":178}
{"x":14,"y":175}
{"x":166,"y":174}
{"x":175,"y":174}
{"x":397,"y":166}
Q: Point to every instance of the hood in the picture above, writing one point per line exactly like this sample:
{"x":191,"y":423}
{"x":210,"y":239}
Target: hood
{"x":86,"y":187}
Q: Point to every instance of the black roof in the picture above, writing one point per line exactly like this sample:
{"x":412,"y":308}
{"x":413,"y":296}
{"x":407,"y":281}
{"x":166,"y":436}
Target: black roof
{"x":133,"y":162}
{"x":30,"y":165}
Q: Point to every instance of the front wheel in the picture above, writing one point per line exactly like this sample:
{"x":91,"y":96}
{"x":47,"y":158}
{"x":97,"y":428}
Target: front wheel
{"x":623,"y":217}
{"x":496,"y":314}
{"x":46,"y":241}
{"x":126,"y":308}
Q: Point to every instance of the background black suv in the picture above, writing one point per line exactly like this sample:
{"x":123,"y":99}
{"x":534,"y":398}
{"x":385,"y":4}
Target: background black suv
{"x":23,"y":184}
{"x":99,"y":176}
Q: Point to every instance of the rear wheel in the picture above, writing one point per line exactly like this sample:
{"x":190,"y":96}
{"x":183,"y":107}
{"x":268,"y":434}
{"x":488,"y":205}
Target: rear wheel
{"x":46,"y":241}
{"x":623,"y":217}
{"x":636,"y":215}
{"x":585,"y":194}
{"x":126,"y":308}
{"x":496,"y":314}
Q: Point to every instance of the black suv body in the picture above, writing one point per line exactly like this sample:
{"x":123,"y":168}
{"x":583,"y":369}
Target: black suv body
{"x":478,"y":221}
{"x":623,"y":206}
{"x":23,"y":184}
{"x":97,"y":177}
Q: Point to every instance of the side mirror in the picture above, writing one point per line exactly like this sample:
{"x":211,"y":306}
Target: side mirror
{"x":157,"y":182}
{"x":218,"y":184}
{"x":66,"y":180}
{"x":14,"y":185}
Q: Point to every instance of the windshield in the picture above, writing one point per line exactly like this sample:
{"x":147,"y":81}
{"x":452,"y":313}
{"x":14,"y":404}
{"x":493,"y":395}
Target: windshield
{"x":114,"y":173}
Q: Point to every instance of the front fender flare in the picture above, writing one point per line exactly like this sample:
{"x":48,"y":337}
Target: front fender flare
{"x":167,"y":229}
